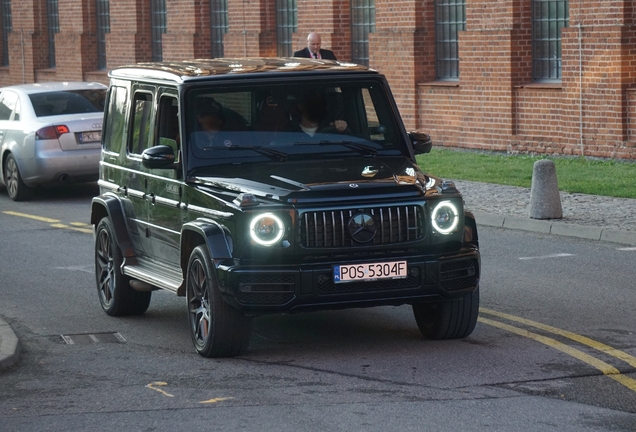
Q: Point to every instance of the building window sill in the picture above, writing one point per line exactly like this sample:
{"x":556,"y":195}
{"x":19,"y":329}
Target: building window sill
{"x":439,"y":83}
{"x":539,"y":85}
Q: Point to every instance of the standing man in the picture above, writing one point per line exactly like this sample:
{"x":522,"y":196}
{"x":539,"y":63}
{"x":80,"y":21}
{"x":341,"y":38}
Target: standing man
{"x":313,"y":49}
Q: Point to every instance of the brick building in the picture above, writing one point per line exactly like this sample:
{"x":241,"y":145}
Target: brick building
{"x":539,"y":76}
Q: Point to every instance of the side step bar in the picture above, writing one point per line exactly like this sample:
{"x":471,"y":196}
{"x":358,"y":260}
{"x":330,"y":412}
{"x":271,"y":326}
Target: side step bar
{"x":156,"y":276}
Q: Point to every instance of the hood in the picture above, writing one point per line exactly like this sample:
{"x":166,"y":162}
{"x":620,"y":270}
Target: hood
{"x":307,"y":181}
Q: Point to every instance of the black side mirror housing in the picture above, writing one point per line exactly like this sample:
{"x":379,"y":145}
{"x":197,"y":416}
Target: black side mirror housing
{"x":161,"y":156}
{"x":421,"y":142}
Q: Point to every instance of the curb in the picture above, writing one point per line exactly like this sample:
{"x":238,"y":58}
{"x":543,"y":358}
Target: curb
{"x":9,"y":346}
{"x":556,"y":228}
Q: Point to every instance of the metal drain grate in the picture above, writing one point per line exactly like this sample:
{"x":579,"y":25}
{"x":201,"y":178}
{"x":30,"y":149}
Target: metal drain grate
{"x":89,"y":338}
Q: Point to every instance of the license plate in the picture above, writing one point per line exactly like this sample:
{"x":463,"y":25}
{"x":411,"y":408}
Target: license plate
{"x":90,"y":137}
{"x":369,"y":272}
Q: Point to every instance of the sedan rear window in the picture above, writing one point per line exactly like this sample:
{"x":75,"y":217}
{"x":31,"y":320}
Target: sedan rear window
{"x":68,"y":102}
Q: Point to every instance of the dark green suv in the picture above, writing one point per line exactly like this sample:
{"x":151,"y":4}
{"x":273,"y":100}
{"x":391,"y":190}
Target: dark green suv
{"x":259,"y":186}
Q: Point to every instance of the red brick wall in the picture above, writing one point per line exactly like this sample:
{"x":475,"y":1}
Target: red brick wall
{"x":494,"y":105}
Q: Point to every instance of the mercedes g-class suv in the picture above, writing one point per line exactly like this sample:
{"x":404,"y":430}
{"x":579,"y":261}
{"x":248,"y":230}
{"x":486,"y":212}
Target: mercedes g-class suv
{"x":257,"y":186}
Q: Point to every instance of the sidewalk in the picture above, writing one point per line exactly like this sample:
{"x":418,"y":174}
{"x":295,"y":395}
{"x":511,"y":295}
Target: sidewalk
{"x":584,"y":216}
{"x":589,"y":217}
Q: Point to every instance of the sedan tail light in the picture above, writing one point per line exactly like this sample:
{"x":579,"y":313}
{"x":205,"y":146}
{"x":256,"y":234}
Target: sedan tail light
{"x":51,"y":132}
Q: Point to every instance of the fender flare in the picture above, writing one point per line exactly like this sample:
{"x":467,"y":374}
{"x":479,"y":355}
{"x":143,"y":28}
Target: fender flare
{"x":110,"y":205}
{"x":215,"y":236}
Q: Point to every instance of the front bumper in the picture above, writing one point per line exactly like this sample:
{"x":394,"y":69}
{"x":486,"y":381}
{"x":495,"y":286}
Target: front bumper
{"x":296,"y":288}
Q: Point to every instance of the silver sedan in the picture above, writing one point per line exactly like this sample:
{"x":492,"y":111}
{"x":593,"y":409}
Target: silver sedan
{"x":49,"y":133}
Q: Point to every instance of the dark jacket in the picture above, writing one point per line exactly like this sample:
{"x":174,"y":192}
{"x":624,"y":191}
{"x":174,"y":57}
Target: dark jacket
{"x":325,"y":54}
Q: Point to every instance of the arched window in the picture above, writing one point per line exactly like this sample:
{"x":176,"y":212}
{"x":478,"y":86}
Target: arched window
{"x":362,"y":23}
{"x":102,"y":8}
{"x":158,"y":27}
{"x":286,"y":25}
{"x":218,"y":26}
{"x":450,"y":19}
{"x":548,"y":18}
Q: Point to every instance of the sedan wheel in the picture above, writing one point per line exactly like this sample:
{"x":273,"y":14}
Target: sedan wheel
{"x":16,"y":188}
{"x":116,"y":295}
{"x":217,"y":329}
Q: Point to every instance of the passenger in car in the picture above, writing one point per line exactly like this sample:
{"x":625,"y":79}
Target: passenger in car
{"x":310,"y":116}
{"x":211,"y":121}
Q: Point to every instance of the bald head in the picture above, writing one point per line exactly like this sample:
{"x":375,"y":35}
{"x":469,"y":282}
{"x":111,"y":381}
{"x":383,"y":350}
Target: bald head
{"x":313,"y":42}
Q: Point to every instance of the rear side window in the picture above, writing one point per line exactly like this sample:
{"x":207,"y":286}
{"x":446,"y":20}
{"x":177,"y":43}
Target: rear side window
{"x":115,"y":120}
{"x":68,"y":102}
{"x":8,"y":104}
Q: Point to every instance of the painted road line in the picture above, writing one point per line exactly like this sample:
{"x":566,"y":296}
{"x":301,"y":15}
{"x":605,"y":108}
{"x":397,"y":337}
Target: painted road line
{"x":62,"y":226}
{"x":215,"y":400}
{"x":152,"y":385}
{"x":80,"y":224}
{"x":29,"y":216}
{"x":621,"y":355}
{"x":55,"y":223}
{"x":626,"y":248}
{"x":558,"y":255}
{"x":607,"y":369}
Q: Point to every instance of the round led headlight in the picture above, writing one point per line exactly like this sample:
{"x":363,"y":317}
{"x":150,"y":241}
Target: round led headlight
{"x":445,"y":217}
{"x":267,"y":229}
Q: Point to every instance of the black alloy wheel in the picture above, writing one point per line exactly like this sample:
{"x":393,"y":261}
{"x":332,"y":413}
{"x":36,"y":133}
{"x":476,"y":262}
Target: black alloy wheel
{"x":116,"y":295}
{"x":217,"y":329}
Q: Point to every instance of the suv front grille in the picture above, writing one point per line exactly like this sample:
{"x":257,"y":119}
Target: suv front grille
{"x":394,"y":225}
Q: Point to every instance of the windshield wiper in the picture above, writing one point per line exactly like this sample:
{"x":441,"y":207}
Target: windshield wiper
{"x":364,"y":149}
{"x":274,"y":154}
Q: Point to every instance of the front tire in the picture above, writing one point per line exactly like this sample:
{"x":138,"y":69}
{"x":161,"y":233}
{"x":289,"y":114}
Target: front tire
{"x":217,"y":329}
{"x":116,"y":295}
{"x":16,"y":189}
{"x":450,"y":319}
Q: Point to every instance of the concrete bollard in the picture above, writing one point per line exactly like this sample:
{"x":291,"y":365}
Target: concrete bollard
{"x":545,"y":201}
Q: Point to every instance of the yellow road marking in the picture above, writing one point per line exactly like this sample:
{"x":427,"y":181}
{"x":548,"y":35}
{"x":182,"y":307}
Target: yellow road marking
{"x":55,"y":223}
{"x":159,"y":383}
{"x":605,"y":368}
{"x":80,"y":224}
{"x":29,"y":216}
{"x":62,"y":226}
{"x":621,"y":355}
{"x":215,"y":400}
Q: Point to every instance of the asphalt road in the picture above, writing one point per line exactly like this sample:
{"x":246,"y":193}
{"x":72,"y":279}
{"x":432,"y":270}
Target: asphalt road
{"x":555,"y":348}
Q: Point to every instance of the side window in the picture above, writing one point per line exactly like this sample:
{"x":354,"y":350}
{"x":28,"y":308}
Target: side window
{"x":7,"y":104}
{"x":115,"y":120}
{"x":141,"y":130}
{"x":168,"y":123}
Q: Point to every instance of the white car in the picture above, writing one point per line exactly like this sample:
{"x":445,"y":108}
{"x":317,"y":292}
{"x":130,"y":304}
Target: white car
{"x":49,"y":133}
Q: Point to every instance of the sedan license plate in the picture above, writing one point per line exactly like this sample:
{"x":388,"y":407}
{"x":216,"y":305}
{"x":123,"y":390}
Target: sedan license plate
{"x":90,"y":137}
{"x":369,"y":271}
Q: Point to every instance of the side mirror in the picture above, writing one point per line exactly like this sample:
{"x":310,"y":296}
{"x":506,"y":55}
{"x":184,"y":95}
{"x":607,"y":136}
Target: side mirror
{"x":421,"y":142}
{"x":161,"y":156}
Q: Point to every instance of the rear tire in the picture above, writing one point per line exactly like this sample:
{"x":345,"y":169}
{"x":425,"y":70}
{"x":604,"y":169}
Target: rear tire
{"x":450,"y":319}
{"x":16,"y":189}
{"x":116,"y":295}
{"x":217,"y":329}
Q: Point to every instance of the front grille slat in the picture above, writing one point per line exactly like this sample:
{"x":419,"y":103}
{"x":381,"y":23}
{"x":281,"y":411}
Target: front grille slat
{"x":394,"y":225}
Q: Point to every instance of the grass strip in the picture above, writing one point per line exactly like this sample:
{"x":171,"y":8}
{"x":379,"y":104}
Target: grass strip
{"x":574,"y":174}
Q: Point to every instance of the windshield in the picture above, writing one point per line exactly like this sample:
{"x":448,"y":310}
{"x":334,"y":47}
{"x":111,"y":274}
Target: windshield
{"x":282,"y":122}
